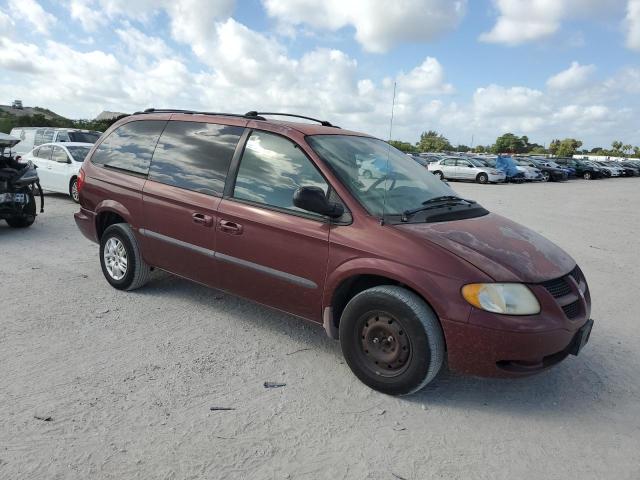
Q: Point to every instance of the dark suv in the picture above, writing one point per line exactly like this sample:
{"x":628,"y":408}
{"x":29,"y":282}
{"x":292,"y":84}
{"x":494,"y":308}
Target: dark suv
{"x":399,"y":268}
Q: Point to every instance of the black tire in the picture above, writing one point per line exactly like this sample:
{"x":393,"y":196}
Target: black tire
{"x":367,"y":174}
{"x":546,"y":176}
{"x":587,"y":175}
{"x":439,"y":174}
{"x":73,"y":190}
{"x":136,"y":272}
{"x":415,"y":352}
{"x":28,"y":216}
{"x":482,"y":178}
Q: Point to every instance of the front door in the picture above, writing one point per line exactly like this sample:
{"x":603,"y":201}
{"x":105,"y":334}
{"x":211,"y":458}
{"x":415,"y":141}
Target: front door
{"x":267,"y":249}
{"x":181,"y":197}
{"x":465,"y":170}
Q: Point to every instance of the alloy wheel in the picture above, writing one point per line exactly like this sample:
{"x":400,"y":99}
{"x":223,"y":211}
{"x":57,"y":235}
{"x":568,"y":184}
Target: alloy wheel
{"x":115,"y":258}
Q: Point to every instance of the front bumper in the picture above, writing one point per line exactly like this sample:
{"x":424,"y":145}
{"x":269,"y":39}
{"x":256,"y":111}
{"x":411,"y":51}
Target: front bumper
{"x":487,"y":352}
{"x":85,"y":220}
{"x":494,"y":345}
{"x":497,"y":178}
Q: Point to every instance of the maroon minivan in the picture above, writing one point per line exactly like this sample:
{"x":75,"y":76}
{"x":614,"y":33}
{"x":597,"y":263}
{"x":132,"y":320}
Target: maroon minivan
{"x":401,"y":269}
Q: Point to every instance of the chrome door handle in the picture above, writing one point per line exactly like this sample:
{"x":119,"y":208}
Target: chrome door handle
{"x":201,"y":219}
{"x":230,"y":227}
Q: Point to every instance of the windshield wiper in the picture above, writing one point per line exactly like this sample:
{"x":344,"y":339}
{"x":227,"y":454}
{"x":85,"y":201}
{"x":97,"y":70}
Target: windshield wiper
{"x":436,"y":202}
{"x":443,"y":198}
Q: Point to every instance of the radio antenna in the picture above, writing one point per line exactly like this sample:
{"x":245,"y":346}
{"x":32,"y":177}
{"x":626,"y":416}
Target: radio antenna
{"x":386,"y":170}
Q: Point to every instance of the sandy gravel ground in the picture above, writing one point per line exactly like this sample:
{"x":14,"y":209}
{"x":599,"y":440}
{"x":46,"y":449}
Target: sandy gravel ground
{"x":127,"y":379}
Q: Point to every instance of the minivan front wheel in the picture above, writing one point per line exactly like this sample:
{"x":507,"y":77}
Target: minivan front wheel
{"x":120,"y":258}
{"x":391,"y":339}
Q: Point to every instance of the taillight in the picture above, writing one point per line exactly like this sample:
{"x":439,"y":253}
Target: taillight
{"x":80,"y":182}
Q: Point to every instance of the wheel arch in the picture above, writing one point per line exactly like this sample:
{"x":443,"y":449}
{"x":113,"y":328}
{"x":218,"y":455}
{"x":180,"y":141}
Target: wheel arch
{"x":108,"y":213}
{"x":350,"y":279}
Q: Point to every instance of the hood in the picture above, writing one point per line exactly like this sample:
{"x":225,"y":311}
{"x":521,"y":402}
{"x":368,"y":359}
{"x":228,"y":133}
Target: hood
{"x":503,"y":249}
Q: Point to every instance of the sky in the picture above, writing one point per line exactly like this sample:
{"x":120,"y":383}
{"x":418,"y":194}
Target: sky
{"x":469,"y":69}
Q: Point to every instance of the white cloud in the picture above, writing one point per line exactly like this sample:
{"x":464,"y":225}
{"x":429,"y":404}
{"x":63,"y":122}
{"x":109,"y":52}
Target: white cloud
{"x":85,"y":12}
{"x":633,"y":24}
{"x":33,"y":13}
{"x":427,"y":78}
{"x":7,"y":25}
{"x":140,"y":44}
{"x":575,"y":77}
{"x":521,"y":21}
{"x":379,"y":25}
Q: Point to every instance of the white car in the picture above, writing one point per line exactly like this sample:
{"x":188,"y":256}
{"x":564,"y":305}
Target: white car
{"x":454,"y":168}
{"x":58,"y":165}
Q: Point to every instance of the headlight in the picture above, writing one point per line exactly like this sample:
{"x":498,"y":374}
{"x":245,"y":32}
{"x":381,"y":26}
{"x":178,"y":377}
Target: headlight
{"x":505,"y":298}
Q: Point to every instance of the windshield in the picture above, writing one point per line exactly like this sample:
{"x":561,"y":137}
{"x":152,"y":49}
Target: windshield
{"x":79,"y":153}
{"x":84,"y":137}
{"x":407,"y":185}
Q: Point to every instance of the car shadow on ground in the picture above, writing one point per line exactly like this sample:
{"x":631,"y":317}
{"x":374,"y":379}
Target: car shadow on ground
{"x":578,"y":386}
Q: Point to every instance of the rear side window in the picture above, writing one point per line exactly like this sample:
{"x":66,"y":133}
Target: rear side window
{"x":44,"y":152}
{"x":272,"y":169}
{"x":130,"y":146}
{"x":195,"y":156}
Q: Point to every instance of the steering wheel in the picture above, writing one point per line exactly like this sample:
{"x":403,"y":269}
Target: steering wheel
{"x":383,"y":179}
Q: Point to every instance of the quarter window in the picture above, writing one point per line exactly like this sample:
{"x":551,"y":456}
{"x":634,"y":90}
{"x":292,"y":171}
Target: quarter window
{"x":195,"y":156}
{"x":130,"y":146}
{"x":272,"y":169}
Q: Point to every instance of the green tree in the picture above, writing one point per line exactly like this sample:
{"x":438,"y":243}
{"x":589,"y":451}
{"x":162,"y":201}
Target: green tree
{"x":403,"y":146}
{"x":510,"y":143}
{"x":432,"y":141}
{"x":480,"y":149}
{"x":567,"y":147}
{"x":539,"y":150}
{"x":636,"y":152}
{"x":616,"y":147}
{"x":462,"y":148}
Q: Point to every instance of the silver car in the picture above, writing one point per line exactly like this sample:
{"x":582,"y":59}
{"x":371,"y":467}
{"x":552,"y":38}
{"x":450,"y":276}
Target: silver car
{"x":454,"y":168}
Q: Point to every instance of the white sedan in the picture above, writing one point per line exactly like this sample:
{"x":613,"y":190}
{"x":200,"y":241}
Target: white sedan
{"x":58,"y":165}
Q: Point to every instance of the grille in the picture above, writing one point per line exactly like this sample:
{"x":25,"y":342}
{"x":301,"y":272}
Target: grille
{"x":557,"y":288}
{"x":572,"y":310}
{"x":576,"y":274}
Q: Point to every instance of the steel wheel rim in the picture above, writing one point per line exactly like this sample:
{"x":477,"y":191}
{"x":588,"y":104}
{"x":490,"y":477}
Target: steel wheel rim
{"x":74,"y":191}
{"x":115,"y":258}
{"x":383,"y":344}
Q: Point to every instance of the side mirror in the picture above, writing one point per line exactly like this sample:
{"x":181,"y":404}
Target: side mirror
{"x":314,"y":200}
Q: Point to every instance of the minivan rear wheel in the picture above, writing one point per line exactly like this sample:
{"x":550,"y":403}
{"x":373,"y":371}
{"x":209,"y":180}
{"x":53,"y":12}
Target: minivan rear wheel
{"x":391,"y":339}
{"x":120,"y":258}
{"x":440,"y":175}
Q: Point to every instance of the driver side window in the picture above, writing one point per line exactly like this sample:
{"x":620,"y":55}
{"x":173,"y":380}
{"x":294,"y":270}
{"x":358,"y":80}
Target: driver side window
{"x":272,"y":168}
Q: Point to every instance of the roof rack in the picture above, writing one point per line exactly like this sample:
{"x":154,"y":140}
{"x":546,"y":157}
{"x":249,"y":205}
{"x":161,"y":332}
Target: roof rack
{"x":195,"y":112}
{"x":254,"y":114}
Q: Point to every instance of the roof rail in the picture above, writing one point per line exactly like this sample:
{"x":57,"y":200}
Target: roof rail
{"x":254,"y":114}
{"x":195,"y":112}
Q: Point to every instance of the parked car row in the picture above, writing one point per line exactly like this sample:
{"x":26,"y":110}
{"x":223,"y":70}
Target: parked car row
{"x":497,"y":169}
